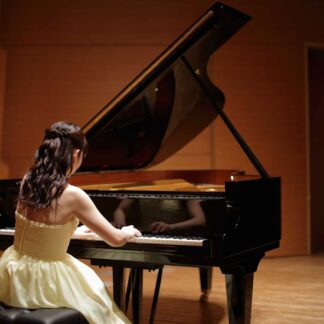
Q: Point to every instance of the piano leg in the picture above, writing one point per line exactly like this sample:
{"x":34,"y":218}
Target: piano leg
{"x":119,"y":285}
{"x":239,"y":288}
{"x":135,"y":289}
{"x":206,"y":277}
{"x":137,"y":295}
{"x":156,"y":295}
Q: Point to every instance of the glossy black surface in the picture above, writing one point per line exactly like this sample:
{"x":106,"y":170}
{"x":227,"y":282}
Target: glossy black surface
{"x":8,"y":198}
{"x":243,"y":220}
{"x":164,"y":107}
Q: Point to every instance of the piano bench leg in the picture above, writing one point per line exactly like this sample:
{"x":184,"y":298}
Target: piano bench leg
{"x":118,"y":286}
{"x":156,"y":295}
{"x":130,"y":284}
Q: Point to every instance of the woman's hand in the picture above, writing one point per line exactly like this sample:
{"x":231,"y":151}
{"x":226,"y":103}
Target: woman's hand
{"x":131,"y":231}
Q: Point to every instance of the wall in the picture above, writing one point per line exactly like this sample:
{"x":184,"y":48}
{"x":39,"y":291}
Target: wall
{"x":4,"y":170}
{"x":316,"y":117}
{"x":66,"y":59}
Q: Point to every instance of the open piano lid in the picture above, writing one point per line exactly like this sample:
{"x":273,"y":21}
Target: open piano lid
{"x":166,"y":105}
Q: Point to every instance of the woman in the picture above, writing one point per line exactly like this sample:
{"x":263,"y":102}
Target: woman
{"x":36,"y":271}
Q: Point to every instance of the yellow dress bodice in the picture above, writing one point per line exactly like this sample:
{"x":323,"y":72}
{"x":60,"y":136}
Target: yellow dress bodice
{"x":48,"y":242}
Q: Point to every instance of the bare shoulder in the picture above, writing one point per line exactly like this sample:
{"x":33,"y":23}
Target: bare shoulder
{"x":79,"y":202}
{"x":75,"y":192}
{"x":74,"y":195}
{"x":72,"y":200}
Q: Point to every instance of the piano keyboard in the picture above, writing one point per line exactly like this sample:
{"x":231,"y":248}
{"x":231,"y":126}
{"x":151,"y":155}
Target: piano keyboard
{"x":167,"y":240}
{"x":145,"y":239}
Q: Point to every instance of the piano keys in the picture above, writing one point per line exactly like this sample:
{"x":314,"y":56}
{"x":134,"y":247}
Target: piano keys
{"x":144,"y":239}
{"x":229,"y":219}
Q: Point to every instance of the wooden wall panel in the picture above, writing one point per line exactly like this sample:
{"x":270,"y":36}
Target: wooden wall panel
{"x":49,"y":83}
{"x":316,"y":117}
{"x":269,"y":113}
{"x":97,"y":22}
{"x":4,"y":170}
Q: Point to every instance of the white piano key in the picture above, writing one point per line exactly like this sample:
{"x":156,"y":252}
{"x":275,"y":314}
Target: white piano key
{"x":7,"y":231}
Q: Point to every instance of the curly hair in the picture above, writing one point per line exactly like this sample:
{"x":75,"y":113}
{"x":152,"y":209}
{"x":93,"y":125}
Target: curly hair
{"x":46,"y":179}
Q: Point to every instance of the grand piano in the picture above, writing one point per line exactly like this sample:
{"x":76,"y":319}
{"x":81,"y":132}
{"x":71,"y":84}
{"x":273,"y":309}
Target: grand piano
{"x":196,"y":218}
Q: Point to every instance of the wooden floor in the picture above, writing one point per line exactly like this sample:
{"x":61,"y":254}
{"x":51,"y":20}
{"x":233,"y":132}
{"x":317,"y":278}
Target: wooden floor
{"x":286,"y":291}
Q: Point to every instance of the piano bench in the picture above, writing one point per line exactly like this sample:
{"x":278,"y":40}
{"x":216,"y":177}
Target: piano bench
{"x":40,"y":316}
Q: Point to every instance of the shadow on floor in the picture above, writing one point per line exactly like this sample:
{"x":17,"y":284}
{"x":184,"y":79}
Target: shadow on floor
{"x":185,"y":310}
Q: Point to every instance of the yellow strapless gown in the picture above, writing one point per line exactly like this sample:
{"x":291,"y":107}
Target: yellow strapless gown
{"x":36,"y":272}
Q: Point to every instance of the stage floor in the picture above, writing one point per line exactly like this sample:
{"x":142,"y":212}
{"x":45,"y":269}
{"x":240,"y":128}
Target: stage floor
{"x":287,"y":290}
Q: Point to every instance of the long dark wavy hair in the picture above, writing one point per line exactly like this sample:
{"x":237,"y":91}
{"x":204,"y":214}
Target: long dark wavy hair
{"x":46,"y":179}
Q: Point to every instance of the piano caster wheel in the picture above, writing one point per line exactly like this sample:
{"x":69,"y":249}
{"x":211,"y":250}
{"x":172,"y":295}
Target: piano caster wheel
{"x":204,"y":296}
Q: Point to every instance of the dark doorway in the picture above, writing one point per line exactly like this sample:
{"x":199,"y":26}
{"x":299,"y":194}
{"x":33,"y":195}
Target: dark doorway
{"x":316,"y":142}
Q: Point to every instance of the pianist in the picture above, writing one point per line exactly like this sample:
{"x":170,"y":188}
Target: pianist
{"x":36,"y":272}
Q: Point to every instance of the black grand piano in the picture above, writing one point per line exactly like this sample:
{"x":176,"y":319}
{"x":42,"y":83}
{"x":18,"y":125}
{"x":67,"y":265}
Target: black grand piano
{"x":198,"y":218}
